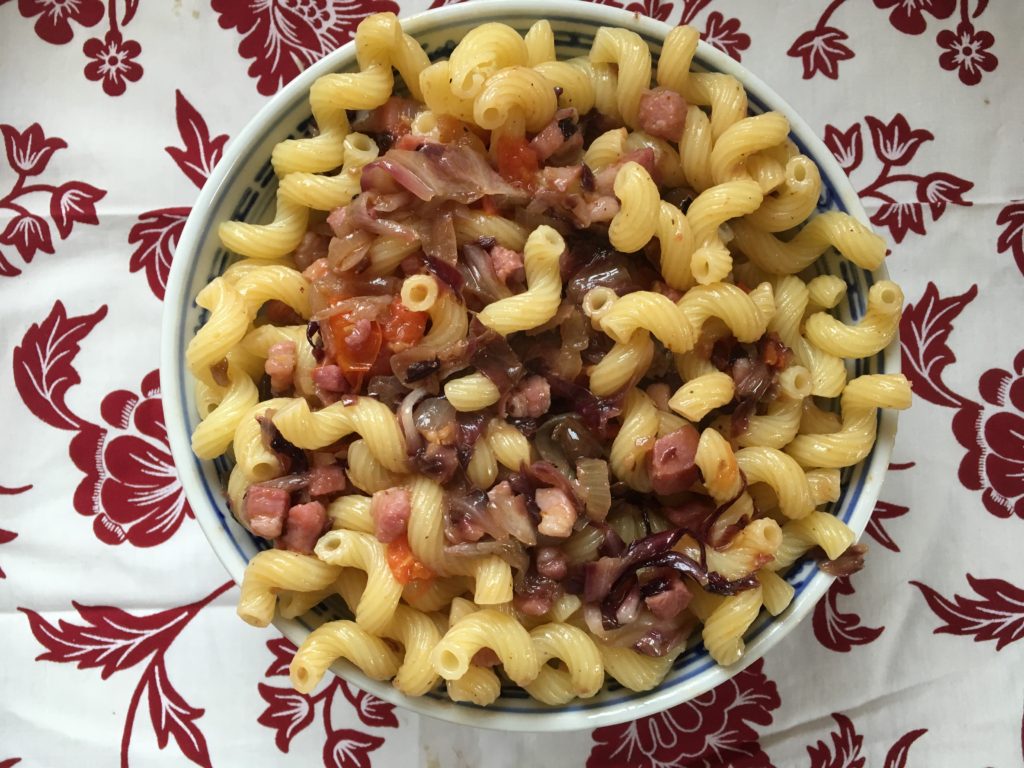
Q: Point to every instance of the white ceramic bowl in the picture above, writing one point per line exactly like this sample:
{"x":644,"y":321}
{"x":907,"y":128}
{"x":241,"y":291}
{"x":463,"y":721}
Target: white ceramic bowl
{"x":242,"y":187}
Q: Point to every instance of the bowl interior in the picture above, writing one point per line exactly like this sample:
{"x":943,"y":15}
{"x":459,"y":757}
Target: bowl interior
{"x":243,"y":187}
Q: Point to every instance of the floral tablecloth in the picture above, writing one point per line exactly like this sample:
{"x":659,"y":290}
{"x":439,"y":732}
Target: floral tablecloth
{"x":118,"y":638}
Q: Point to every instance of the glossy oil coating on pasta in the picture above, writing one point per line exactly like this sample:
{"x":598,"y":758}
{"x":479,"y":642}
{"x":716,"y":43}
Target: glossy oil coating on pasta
{"x":528,"y":370}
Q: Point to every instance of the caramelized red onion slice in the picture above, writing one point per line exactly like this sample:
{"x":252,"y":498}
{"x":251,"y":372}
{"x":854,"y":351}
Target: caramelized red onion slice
{"x":509,"y":550}
{"x":413,"y":440}
{"x":594,"y":487}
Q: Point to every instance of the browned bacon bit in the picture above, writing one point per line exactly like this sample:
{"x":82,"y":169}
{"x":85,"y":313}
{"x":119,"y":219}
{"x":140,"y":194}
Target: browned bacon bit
{"x":265,"y":509}
{"x":849,"y":562}
{"x":278,"y":313}
{"x":662,"y":113}
{"x":774,"y":353}
{"x":530,"y":398}
{"x":667,"y":597}
{"x":536,"y":594}
{"x":326,"y":480}
{"x":438,"y":462}
{"x":551,"y":562}
{"x":672,"y":462}
{"x":303,"y":526}
{"x":390,"y":510}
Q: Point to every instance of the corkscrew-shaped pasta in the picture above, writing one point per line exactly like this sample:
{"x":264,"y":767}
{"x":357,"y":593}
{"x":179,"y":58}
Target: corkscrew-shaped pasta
{"x":711,"y":260}
{"x":828,"y":374}
{"x":274,"y":570}
{"x":632,"y":56}
{"x":793,"y":200}
{"x":487,"y":629}
{"x":584,"y":673}
{"x":540,"y":301}
{"x":873,"y":333}
{"x":350,"y":549}
{"x":373,"y":421}
{"x":839,"y":230}
{"x":860,"y":402}
{"x":746,"y":315}
{"x":341,"y":640}
{"x":484,"y":50}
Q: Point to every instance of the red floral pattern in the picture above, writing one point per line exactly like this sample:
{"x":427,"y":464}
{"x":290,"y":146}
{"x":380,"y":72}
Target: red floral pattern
{"x":998,"y":615}
{"x":993,"y":434}
{"x":836,"y":630}
{"x":712,"y":730}
{"x":114,"y":640}
{"x":28,"y":154}
{"x":6,"y":537}
{"x":130,"y":486}
{"x":156,"y":232}
{"x":283,"y":37}
{"x":966,"y":51}
{"x":1012,"y":237}
{"x":289,"y":712}
{"x":111,"y":59}
{"x":902,"y":197}
{"x":844,"y":751}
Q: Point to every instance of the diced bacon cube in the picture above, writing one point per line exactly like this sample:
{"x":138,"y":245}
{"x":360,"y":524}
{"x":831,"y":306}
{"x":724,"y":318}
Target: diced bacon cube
{"x":303,"y":526}
{"x":530,"y":399}
{"x":390,"y":510}
{"x":326,"y":480}
{"x":673,"y":461}
{"x":669,"y":603}
{"x":663,"y":113}
{"x":280,"y":366}
{"x":506,"y":262}
{"x":265,"y":510}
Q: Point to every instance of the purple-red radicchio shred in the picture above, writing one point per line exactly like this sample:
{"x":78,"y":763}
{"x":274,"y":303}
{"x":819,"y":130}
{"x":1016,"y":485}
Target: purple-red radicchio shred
{"x":849,"y":562}
{"x":447,"y":273}
{"x":292,"y":458}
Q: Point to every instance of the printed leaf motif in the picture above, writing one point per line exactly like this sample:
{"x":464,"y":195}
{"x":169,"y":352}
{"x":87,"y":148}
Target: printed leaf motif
{"x":173,"y":716}
{"x":885,"y":510}
{"x":844,"y":751}
{"x":283,"y":650}
{"x":896,"y":757}
{"x":73,"y":202}
{"x":941,"y":189}
{"x":200,"y":153}
{"x":10,"y":762}
{"x":372,"y":711}
{"x":821,"y":49}
{"x":44,"y":364}
{"x":725,"y":35}
{"x":6,"y":268}
{"x":836,"y":630}
{"x":900,"y":218}
{"x":847,"y":146}
{"x":1012,"y":237}
{"x":28,"y":233}
{"x":29,"y":151}
{"x":156,"y":233}
{"x":110,"y":639}
{"x":5,"y":538}
{"x":998,"y":615}
{"x":288,"y":712}
{"x":895,"y":142}
{"x":346,"y":748}
{"x":924,"y":332}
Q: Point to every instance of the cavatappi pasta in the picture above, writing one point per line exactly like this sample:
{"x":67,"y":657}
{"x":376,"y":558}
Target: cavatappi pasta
{"x":527,"y":369}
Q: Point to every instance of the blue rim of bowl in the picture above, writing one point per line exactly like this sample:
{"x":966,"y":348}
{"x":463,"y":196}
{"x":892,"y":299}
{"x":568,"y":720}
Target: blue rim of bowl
{"x":701,"y":674}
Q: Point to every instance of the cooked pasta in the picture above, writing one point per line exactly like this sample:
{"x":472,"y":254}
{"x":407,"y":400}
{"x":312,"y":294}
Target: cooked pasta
{"x":547,"y":321}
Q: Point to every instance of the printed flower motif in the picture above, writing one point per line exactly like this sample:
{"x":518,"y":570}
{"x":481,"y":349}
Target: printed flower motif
{"x":940,"y":189}
{"x":29,"y":151}
{"x":895,"y":142}
{"x":1011,"y":239}
{"x":113,"y":61}
{"x":54,"y":23}
{"x":821,"y":49}
{"x":993,"y":434}
{"x":130,"y":484}
{"x":725,"y":35}
{"x":966,"y":50}
{"x":712,"y":730}
{"x":908,"y":15}
{"x":283,"y":37}
{"x":847,"y":147}
{"x":28,"y":233}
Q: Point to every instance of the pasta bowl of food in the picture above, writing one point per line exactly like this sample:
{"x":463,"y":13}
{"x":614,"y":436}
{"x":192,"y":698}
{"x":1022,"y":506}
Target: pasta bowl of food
{"x":530,"y":365}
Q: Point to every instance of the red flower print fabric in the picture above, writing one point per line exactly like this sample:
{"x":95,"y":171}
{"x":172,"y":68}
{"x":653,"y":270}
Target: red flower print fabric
{"x":283,"y":37}
{"x":714,"y":729}
{"x":112,"y":602}
{"x":130,"y":488}
{"x":73,"y":202}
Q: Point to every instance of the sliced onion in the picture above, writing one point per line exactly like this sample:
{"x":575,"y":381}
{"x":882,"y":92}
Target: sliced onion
{"x":413,"y":440}
{"x":435,"y":419}
{"x":594,"y":487}
{"x":509,"y":550}
{"x":288,"y":483}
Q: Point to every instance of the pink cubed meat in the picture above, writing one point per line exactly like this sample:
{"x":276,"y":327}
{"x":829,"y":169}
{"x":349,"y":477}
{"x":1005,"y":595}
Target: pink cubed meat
{"x":505,"y":261}
{"x":663,"y":113}
{"x":390,"y":510}
{"x":530,"y":399}
{"x":280,"y":366}
{"x":557,"y":512}
{"x":673,"y":461}
{"x":303,"y":526}
{"x":265,"y":510}
{"x":668,"y":604}
{"x":326,"y":480}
